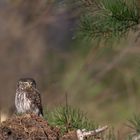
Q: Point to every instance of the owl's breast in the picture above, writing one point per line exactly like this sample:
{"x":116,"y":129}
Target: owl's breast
{"x":23,"y":104}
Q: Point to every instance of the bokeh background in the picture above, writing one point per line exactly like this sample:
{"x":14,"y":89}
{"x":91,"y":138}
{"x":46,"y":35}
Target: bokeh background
{"x":39,"y":39}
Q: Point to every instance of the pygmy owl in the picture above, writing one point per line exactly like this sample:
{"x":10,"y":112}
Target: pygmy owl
{"x":28,"y":99}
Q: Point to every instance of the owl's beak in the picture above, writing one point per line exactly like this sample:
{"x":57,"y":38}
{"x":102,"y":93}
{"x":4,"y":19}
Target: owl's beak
{"x":29,"y":85}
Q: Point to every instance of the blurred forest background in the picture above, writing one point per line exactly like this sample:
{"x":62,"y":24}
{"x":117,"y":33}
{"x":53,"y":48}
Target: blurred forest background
{"x":87,"y":49}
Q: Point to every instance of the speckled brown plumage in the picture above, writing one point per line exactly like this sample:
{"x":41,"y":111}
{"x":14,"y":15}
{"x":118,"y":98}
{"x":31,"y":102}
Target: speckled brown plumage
{"x":28,"y":99}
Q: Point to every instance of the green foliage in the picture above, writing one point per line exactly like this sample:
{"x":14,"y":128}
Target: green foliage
{"x":113,"y":18}
{"x":135,"y":123}
{"x":68,"y":118}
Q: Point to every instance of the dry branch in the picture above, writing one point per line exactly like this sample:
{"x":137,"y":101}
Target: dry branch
{"x":81,"y":134}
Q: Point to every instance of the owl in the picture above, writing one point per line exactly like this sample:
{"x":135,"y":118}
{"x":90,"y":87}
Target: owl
{"x":28,"y":99}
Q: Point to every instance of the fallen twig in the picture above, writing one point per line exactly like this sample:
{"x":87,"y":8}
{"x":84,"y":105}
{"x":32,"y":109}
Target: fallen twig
{"x":81,"y":134}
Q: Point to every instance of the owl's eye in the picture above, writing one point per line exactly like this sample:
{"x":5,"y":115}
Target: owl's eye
{"x":19,"y":83}
{"x":33,"y":84}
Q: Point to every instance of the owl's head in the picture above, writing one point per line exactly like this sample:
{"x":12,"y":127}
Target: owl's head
{"x":26,"y":83}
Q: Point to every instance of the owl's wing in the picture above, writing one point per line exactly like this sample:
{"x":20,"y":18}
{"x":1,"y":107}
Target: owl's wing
{"x":38,"y":101}
{"x":35,"y":98}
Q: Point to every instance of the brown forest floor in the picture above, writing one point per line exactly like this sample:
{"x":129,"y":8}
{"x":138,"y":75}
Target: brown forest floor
{"x":31,"y":127}
{"x":27,"y":127}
